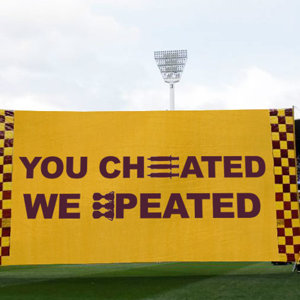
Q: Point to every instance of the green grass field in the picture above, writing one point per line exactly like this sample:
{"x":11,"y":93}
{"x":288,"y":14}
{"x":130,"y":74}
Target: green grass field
{"x":150,"y":281}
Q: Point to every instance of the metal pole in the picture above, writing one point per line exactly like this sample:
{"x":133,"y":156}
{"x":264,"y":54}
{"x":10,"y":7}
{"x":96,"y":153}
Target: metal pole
{"x":172,"y":97}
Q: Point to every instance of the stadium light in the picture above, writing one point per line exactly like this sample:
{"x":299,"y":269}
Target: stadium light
{"x":171,"y":65}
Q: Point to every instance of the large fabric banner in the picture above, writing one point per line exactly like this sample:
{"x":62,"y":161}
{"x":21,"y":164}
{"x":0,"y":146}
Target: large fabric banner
{"x":108,"y":187}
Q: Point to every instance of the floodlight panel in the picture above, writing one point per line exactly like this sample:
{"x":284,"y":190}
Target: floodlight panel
{"x":173,"y":61}
{"x":174,"y":68}
{"x":171,"y":54}
{"x":171,"y":64}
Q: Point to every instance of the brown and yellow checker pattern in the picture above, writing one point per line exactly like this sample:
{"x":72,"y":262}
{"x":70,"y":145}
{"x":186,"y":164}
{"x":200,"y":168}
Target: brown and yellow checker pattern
{"x":287,"y":206}
{"x":6,"y":149}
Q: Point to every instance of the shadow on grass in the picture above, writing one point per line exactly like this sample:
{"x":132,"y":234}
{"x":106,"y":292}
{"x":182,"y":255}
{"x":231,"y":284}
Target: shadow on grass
{"x":188,"y":287}
{"x":96,"y":287}
{"x":148,"y":281}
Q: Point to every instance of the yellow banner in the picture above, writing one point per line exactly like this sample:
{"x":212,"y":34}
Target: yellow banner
{"x":104,"y":187}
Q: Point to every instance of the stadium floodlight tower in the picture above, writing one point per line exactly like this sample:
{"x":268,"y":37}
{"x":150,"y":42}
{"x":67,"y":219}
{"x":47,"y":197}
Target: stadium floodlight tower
{"x":171,"y":65}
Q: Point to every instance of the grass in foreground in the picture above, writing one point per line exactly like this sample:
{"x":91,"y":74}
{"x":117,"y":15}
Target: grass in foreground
{"x":150,"y":281}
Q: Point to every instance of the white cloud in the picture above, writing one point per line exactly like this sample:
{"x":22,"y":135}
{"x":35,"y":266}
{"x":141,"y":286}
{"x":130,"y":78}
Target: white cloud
{"x":61,"y":50}
{"x":257,"y":89}
{"x":58,"y":20}
{"x":97,"y":54}
{"x":28,"y":102}
{"x":129,"y":4}
{"x":146,"y":99}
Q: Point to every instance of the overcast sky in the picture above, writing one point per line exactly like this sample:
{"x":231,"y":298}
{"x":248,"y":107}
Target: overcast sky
{"x":98,"y":54}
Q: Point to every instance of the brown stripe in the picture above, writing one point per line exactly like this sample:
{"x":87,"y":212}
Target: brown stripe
{"x":5,"y":219}
{"x":288,"y":217}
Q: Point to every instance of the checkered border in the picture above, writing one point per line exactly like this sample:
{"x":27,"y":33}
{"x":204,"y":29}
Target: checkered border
{"x":6,"y":151}
{"x":286,"y":196}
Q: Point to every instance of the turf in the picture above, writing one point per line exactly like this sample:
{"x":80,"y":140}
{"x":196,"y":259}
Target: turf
{"x":150,"y":281}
